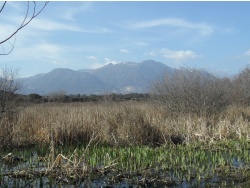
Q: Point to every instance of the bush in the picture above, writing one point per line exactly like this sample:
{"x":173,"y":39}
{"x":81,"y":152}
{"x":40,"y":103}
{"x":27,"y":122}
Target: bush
{"x":10,"y":104}
{"x":241,"y":88}
{"x":192,"y":92}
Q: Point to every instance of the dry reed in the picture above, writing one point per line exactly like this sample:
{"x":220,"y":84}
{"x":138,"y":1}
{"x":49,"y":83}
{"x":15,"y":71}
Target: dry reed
{"x":126,"y":123}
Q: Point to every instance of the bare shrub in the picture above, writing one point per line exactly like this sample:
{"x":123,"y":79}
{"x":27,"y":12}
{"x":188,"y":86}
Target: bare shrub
{"x":132,"y":128}
{"x":9,"y":104}
{"x":241,"y":88}
{"x":193,"y":92}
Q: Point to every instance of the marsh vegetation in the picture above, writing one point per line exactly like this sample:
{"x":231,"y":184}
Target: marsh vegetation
{"x":129,"y":145}
{"x":199,"y":138}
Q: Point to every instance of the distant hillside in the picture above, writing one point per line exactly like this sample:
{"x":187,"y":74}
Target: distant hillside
{"x":119,"y":78}
{"x":126,"y":77}
{"x":72,"y":82}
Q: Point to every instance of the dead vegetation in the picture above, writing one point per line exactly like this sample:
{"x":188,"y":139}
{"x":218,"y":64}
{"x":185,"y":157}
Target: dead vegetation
{"x":191,"y":105}
{"x":126,"y":123}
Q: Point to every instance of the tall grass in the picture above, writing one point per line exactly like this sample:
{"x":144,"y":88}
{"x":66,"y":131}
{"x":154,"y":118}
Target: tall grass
{"x":125,"y":123}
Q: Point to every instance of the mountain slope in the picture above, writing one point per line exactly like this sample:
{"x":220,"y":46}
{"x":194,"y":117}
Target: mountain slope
{"x":72,"y":82}
{"x":126,"y":76}
{"x":119,"y":78}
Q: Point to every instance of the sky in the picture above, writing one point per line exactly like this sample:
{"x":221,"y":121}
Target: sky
{"x":214,"y":36}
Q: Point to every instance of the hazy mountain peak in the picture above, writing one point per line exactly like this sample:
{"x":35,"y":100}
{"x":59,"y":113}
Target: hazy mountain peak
{"x":61,"y":70}
{"x":123,"y":77}
{"x":148,"y":61}
{"x":129,"y":63}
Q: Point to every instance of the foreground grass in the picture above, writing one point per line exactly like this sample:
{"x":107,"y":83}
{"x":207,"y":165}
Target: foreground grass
{"x":130,"y":145}
{"x":222,"y":164}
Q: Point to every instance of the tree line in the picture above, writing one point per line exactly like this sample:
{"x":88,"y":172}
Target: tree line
{"x":61,"y":97}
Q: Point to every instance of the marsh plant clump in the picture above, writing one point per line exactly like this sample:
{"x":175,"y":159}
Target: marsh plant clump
{"x":119,"y":124}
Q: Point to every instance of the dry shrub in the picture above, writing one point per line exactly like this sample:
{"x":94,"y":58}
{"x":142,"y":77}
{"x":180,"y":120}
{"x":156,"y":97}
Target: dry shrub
{"x":131,"y":127}
{"x":191,"y":92}
{"x":10,"y":103}
{"x":240,"y":93}
{"x":6,"y":131}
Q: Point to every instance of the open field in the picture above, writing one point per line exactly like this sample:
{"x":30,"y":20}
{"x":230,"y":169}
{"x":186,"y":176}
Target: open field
{"x":124,"y":144}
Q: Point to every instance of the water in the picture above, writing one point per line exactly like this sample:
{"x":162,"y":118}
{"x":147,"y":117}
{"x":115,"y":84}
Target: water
{"x":225,"y":170}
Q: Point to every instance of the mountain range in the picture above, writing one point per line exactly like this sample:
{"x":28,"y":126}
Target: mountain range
{"x":126,"y":77}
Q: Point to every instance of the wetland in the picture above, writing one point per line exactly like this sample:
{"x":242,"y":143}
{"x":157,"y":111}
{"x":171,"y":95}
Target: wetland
{"x":125,"y":144}
{"x":217,"y":165}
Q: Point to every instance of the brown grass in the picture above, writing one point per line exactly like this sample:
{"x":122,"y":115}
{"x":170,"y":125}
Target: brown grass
{"x":126,"y":123}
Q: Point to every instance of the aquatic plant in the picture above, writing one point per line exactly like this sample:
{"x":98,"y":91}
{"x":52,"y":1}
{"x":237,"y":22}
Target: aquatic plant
{"x":180,"y":165}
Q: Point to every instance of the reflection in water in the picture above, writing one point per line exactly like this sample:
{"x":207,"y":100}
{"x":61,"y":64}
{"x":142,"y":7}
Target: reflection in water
{"x":204,"y":168}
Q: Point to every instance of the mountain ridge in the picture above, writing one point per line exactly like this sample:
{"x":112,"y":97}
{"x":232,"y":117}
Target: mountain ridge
{"x":123,"y":77}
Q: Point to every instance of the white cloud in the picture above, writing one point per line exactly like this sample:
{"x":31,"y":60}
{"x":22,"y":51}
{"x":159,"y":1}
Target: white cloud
{"x":6,"y":30}
{"x":203,"y":28}
{"x":124,"y":51}
{"x":45,"y":52}
{"x":108,"y":61}
{"x":49,"y":25}
{"x":96,"y":66}
{"x":139,"y":43}
{"x":16,"y":5}
{"x":247,"y":53}
{"x":178,"y":55}
{"x":227,"y":30}
{"x":70,"y":13}
{"x":15,"y":16}
{"x":152,"y":53}
{"x":91,"y":57}
{"x":47,"y":48}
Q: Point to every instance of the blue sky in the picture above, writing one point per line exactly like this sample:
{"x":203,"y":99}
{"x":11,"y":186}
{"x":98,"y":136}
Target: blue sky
{"x":210,"y":35}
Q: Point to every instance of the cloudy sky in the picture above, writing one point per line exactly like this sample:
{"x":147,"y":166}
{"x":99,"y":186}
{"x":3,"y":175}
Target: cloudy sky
{"x":210,"y":35}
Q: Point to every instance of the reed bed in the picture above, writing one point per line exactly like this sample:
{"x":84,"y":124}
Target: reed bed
{"x":119,"y":124}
